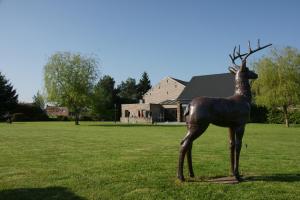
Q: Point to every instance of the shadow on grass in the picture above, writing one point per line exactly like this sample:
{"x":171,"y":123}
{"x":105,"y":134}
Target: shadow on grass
{"x":267,"y":178}
{"x":49,"y":193}
{"x":275,"y":178}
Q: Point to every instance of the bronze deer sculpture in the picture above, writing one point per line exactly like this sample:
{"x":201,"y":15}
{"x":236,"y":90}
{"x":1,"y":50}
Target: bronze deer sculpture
{"x":232,"y":112}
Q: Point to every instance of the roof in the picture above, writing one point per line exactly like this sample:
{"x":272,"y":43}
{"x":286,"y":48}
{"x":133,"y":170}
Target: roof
{"x":180,"y":81}
{"x":216,"y":85}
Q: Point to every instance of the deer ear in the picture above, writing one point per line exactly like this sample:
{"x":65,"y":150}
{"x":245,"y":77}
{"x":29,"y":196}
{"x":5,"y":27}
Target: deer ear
{"x":232,"y":70}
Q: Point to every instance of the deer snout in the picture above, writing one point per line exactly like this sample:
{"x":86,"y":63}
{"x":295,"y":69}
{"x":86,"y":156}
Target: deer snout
{"x":252,"y":75}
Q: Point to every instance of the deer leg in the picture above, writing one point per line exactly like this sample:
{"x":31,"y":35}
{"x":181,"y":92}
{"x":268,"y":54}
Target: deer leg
{"x":189,"y":160}
{"x":238,"y":145}
{"x":184,"y":147}
{"x":186,"y":144}
{"x":232,"y":149}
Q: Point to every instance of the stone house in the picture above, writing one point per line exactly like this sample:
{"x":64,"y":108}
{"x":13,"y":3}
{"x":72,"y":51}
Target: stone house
{"x":167,"y":100}
{"x":158,"y":104}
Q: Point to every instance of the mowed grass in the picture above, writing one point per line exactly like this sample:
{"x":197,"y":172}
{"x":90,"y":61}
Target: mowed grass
{"x":58,"y":160}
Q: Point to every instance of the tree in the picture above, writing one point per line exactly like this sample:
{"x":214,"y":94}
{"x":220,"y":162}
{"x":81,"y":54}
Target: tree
{"x":38,"y":100}
{"x":127,"y":91}
{"x":69,"y":80}
{"x":143,"y":86}
{"x":8,"y":98}
{"x":104,"y":98}
{"x":278,"y":85}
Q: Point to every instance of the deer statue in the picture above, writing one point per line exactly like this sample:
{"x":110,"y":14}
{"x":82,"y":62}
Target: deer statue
{"x":232,"y":112}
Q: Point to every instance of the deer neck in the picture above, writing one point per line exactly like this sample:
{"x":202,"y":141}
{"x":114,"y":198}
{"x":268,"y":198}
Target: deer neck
{"x":242,"y":87}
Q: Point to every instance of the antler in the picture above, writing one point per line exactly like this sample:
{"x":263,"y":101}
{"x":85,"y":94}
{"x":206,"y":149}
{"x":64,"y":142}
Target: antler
{"x":235,"y":55}
{"x":238,"y":54}
{"x":253,"y":51}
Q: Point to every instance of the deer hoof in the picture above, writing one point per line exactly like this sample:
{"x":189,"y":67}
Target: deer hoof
{"x":181,"y":178}
{"x":238,"y":177}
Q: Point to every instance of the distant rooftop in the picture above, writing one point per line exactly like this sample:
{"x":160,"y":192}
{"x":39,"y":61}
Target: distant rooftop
{"x":181,"y":81}
{"x":215,"y":85}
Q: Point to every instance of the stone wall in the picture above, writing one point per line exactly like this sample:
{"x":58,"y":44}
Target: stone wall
{"x":140,"y":113}
{"x":166,"y":89}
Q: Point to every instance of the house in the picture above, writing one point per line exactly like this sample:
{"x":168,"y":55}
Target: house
{"x":158,"y":104}
{"x":57,"y":111}
{"x":167,"y":100}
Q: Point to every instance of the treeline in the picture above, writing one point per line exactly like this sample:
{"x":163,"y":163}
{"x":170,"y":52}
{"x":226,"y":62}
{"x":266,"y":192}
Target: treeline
{"x":107,"y":97}
{"x":272,"y":115}
{"x":104,"y":102}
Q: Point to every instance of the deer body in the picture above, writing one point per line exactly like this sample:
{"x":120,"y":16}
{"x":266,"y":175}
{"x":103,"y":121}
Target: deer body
{"x":225,"y":112}
{"x":232,"y":112}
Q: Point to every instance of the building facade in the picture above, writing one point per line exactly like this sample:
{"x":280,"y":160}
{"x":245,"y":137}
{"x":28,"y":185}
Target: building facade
{"x":158,"y":104}
{"x":167,"y":100}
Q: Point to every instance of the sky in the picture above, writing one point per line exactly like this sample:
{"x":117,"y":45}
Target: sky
{"x":173,"y":38}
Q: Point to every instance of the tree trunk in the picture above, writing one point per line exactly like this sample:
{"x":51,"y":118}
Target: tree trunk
{"x":286,"y":116}
{"x":76,"y":118}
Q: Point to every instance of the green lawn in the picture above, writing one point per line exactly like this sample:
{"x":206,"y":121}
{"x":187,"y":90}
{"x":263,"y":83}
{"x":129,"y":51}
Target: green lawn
{"x":58,"y":160}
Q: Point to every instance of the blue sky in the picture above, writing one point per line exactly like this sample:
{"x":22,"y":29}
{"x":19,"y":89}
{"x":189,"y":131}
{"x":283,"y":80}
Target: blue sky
{"x":163,"y":37}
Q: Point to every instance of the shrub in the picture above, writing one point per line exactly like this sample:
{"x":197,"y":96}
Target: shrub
{"x":86,"y":118}
{"x":29,"y":112}
{"x":20,"y":117}
{"x":275,"y":116}
{"x":62,"y":118}
{"x":258,"y":114}
{"x":295,"y":117}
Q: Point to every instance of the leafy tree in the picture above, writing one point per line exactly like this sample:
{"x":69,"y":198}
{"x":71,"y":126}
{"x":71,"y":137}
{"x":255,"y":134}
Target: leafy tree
{"x":38,"y":100}
{"x":143,"y":86}
{"x":104,"y":98}
{"x":8,"y":98}
{"x":278,"y":85}
{"x":127,"y":91}
{"x":69,"y":80}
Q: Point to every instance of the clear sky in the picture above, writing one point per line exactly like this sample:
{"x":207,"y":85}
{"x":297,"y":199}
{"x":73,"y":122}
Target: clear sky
{"x":163,"y":37}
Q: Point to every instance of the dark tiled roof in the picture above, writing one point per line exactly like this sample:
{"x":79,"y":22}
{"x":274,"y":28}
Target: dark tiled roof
{"x":180,"y":81}
{"x":216,"y":85}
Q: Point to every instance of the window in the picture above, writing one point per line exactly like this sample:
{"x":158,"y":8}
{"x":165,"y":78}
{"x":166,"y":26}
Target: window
{"x":127,"y":113}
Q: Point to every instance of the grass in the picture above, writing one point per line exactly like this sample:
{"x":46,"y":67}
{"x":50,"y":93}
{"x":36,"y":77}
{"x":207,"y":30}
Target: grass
{"x":58,"y":160}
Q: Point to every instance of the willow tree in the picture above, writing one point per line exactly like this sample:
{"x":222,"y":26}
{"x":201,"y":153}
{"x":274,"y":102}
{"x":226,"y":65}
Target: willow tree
{"x":69,"y":80}
{"x":278,"y":83}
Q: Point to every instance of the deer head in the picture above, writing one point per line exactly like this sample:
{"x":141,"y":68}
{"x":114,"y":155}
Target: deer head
{"x":243,"y":70}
